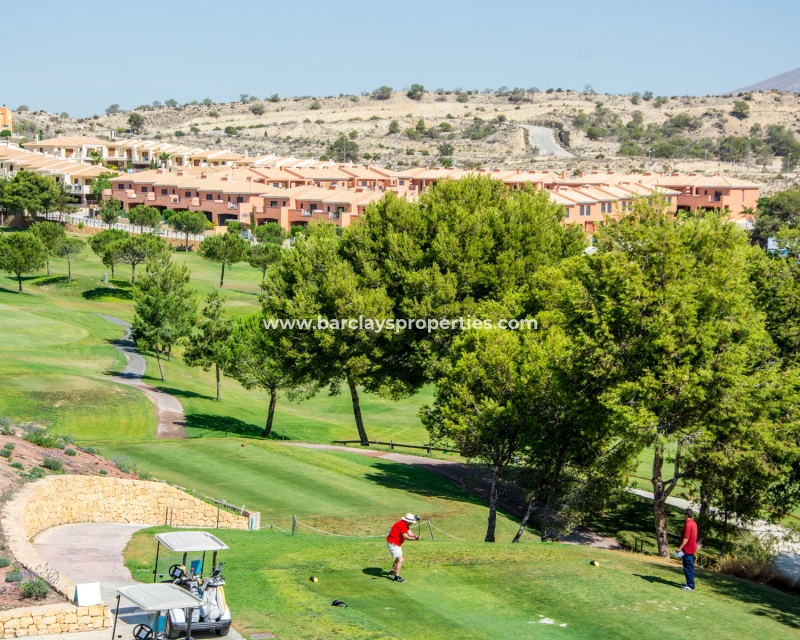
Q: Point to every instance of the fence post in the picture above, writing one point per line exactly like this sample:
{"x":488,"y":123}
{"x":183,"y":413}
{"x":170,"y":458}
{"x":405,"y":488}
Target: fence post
{"x":391,"y":444}
{"x":166,"y":515}
{"x":294,"y":523}
{"x":217,"y":517}
{"x":430,"y":526}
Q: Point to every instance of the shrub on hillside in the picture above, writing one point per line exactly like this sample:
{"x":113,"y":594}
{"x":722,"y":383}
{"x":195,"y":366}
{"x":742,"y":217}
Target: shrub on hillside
{"x":39,"y":436}
{"x":123,"y":463}
{"x":34,"y":588}
{"x":70,"y":452}
{"x":6,"y":453}
{"x":7,"y":426}
{"x":14,"y":576}
{"x":54,"y":463}
{"x":4,"y":562}
{"x":10,"y":446}
{"x":17,"y":465}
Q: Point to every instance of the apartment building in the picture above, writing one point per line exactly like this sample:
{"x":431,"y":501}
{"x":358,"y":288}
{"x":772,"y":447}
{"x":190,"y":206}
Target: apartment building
{"x":6,"y":119}
{"x":69,"y":148}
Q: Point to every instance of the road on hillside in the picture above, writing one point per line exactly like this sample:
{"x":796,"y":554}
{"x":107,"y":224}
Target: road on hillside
{"x":543,"y":139}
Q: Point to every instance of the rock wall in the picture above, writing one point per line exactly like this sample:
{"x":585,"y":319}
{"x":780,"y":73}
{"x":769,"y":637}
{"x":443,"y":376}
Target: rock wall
{"x":68,"y":499}
{"x":53,"y":618}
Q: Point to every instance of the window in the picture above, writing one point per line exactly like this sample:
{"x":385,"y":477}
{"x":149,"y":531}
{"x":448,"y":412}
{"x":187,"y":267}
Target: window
{"x":581,"y":211}
{"x":402,"y":182}
{"x":120,"y":186}
{"x":602,"y":207}
{"x":164,"y":192}
{"x":284,"y":203}
{"x":144,"y":189}
{"x":363,"y":183}
{"x":717,"y":196}
{"x":567,"y":212}
{"x":669,"y":199}
{"x":312,"y":207}
{"x":187,"y":194}
{"x":275,"y":184}
{"x":273,"y":203}
{"x":208,"y":196}
{"x":239,"y":198}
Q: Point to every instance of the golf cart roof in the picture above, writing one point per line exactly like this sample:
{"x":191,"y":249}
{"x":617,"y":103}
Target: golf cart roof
{"x":190,"y":541}
{"x":159,"y":596}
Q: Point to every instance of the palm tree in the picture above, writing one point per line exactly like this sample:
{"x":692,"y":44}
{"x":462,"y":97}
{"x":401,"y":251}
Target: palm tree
{"x":96,"y":157}
{"x":164,"y":157}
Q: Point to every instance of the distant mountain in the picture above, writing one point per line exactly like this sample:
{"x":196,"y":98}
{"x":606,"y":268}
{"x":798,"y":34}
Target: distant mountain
{"x":789,"y":82}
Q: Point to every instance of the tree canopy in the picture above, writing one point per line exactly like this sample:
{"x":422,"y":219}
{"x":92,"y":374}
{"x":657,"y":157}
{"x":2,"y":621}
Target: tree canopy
{"x":20,"y":253}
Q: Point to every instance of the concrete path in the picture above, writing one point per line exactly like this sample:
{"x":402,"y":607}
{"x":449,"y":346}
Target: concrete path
{"x":468,"y":478}
{"x":543,"y":139}
{"x":785,"y":540}
{"x":171,"y":420}
{"x":92,"y":552}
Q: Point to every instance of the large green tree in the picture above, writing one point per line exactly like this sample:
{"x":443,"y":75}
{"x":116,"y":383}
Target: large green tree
{"x":144,"y":216}
{"x":135,"y":250}
{"x":32,"y":193}
{"x":226,"y":249}
{"x":664,"y":318}
{"x":99,"y":243}
{"x":71,"y":249}
{"x":102,"y":182}
{"x":210,"y":344}
{"x":188,"y":222}
{"x":775,"y":212}
{"x":21,"y":253}
{"x":165,"y":307}
{"x":51,"y":234}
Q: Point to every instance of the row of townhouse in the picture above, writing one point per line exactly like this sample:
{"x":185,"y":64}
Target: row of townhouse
{"x":77,"y":178}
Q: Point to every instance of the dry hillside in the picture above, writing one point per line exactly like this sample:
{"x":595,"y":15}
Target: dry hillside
{"x":306,"y":127}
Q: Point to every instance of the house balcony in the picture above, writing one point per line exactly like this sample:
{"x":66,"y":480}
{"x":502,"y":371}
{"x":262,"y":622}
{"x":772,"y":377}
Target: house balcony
{"x":233,"y":205}
{"x":174,"y":199}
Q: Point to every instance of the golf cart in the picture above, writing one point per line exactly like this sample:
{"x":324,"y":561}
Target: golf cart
{"x":213,"y":614}
{"x":156,"y":600}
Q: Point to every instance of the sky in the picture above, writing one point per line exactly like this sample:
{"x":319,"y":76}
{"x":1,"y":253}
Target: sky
{"x":81,"y":56}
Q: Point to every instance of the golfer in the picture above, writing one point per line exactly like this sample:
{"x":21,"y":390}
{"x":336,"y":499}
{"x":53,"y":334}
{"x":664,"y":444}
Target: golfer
{"x":398,"y":534}
{"x":689,"y":548}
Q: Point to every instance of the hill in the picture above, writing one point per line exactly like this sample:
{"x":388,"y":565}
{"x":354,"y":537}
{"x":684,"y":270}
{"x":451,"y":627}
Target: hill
{"x":788,"y":82}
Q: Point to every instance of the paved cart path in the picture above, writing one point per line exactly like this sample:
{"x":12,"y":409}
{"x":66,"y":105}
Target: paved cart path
{"x":171,"y":420}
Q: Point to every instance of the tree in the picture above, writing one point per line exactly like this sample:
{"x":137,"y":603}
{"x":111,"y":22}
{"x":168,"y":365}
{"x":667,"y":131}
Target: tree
{"x":96,"y":157}
{"x":32,"y":193}
{"x":446,"y":149}
{"x":394,"y":127}
{"x":188,"y":222}
{"x":101,"y":183}
{"x":21,"y":252}
{"x":261,"y":256}
{"x":113,"y":109}
{"x":780,"y":210}
{"x":741,"y":110}
{"x":99,"y":243}
{"x":51,"y":234}
{"x":135,"y":250}
{"x":226,"y":249}
{"x":270,"y":233}
{"x":257,"y":363}
{"x":662,"y":314}
{"x":110,"y":211}
{"x":72,"y":250}
{"x":171,"y":102}
{"x":382,"y":93}
{"x":164,"y":157}
{"x":210,"y":346}
{"x":5,"y":133}
{"x":313,"y":281}
{"x":165,"y":308}
{"x":343,"y":149}
{"x":257,"y":109}
{"x":416,"y":92}
{"x":135,"y":122}
{"x":144,"y":216}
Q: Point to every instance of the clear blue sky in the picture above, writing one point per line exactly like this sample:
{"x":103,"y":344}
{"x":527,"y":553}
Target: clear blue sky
{"x":83,"y":55}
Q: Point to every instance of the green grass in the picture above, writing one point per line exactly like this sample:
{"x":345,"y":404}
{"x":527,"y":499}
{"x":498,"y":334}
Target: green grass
{"x":477,"y":591}
{"x":334,"y":491}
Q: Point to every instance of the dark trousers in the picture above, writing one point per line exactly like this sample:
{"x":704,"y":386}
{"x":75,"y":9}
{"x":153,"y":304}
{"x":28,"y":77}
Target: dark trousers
{"x":688,"y":569}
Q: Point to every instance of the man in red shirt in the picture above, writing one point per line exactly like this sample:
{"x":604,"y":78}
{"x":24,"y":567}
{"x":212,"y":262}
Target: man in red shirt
{"x":688,"y":548}
{"x":398,"y":534}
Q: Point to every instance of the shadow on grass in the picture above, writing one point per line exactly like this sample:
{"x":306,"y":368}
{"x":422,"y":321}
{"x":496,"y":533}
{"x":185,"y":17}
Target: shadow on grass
{"x":178,"y":393}
{"x":770,"y":603}
{"x":222,"y":424}
{"x":98,"y":293}
{"x":658,"y":580}
{"x":420,"y":481}
{"x":375,"y":572}
{"x":49,"y":280}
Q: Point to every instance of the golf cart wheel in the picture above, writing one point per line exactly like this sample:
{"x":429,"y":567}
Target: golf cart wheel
{"x":171,"y":632}
{"x":223,"y":631}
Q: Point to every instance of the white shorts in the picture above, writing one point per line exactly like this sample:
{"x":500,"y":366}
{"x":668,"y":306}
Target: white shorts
{"x":395,"y":550}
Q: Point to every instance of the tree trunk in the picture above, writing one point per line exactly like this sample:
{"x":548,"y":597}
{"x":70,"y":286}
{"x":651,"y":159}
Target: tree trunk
{"x":19,"y":279}
{"x":48,"y":267}
{"x":362,"y":434}
{"x":525,"y":518}
{"x":704,"y":517}
{"x":69,"y":271}
{"x":112,"y":270}
{"x":169,"y":353}
{"x":160,"y":367}
{"x":222,"y":276}
{"x":661,"y":492}
{"x":551,"y":492}
{"x":133,"y":277}
{"x":493,"y":494}
{"x":187,"y":242}
{"x":273,"y":399}
{"x":216,"y":366}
